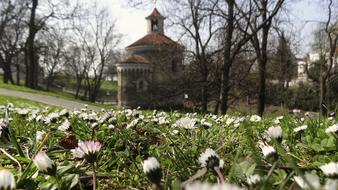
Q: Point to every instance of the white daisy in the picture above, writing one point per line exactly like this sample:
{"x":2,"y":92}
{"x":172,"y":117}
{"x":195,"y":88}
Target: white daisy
{"x":7,"y":180}
{"x":255,"y":118}
{"x":210,"y":159}
{"x":275,"y":132}
{"x":300,"y":128}
{"x":64,"y":126}
{"x":150,"y":164}
{"x":331,"y":184}
{"x":312,"y":179}
{"x":207,"y":186}
{"x":268,"y":150}
{"x":253,"y":179}
{"x":330,"y":169}
{"x":332,"y":129}
{"x":44,"y":163}
{"x":186,"y":123}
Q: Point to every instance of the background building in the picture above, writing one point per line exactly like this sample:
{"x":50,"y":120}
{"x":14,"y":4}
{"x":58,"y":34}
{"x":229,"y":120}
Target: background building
{"x":150,"y":75}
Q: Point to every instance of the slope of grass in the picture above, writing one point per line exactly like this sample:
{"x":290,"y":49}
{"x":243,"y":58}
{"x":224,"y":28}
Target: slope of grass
{"x":20,"y":102}
{"x":58,"y":94}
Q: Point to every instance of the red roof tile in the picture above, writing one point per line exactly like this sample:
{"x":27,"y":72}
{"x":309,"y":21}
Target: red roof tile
{"x":136,"y":59}
{"x":153,"y":39}
{"x":155,"y":13}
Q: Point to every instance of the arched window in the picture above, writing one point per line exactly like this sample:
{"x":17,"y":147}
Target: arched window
{"x":141,"y":85}
{"x":154,"y":25}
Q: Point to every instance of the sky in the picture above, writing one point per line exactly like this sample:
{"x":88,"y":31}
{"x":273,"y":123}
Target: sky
{"x":132,"y":24}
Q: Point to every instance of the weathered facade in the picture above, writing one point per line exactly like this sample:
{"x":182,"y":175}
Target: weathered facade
{"x":150,"y":76}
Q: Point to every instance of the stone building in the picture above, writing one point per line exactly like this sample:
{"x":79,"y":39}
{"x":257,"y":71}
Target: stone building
{"x":150,"y":75}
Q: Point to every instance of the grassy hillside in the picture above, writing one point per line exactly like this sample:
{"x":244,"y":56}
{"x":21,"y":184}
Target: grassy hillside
{"x":56,"y":93}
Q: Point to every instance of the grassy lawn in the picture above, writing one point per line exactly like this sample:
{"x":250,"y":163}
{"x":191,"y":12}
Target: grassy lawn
{"x":276,"y":150}
{"x":20,"y":102}
{"x":58,"y":94}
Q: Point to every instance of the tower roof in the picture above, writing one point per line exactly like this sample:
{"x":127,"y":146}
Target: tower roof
{"x":154,"y":39}
{"x":155,"y":13}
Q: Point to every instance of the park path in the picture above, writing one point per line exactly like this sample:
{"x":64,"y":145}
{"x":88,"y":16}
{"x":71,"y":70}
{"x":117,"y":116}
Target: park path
{"x":55,"y":101}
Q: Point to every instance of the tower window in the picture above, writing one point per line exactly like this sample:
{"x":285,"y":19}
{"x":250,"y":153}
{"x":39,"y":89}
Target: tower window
{"x":141,"y":85}
{"x":154,"y":25}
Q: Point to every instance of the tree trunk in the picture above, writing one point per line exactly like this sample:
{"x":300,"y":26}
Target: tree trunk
{"x":322,"y":96}
{"x":261,"y":85}
{"x":92,"y":95}
{"x":7,"y":70}
{"x":78,"y":86}
{"x":17,"y":74}
{"x":49,"y":82}
{"x":30,"y":54}
{"x":225,"y":79}
{"x":204,"y":98}
{"x":262,"y":60}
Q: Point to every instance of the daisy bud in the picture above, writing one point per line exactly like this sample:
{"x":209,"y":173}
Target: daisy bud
{"x":275,"y":133}
{"x":44,"y":164}
{"x":311,"y":179}
{"x":210,"y":159}
{"x":88,"y":150}
{"x":7,"y":181}
{"x":330,"y":169}
{"x":269,"y":152}
{"x":151,"y":167}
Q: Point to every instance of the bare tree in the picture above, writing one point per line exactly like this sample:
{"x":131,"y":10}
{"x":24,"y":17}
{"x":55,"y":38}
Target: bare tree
{"x":326,"y":41}
{"x":52,"y":53}
{"x":61,"y":10}
{"x":198,"y":26}
{"x":99,"y":38}
{"x":11,"y":35}
{"x":260,"y":44}
{"x":76,"y":65}
{"x":239,"y":16}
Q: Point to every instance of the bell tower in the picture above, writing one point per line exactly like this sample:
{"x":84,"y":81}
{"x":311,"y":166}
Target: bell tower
{"x":155,"y":22}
